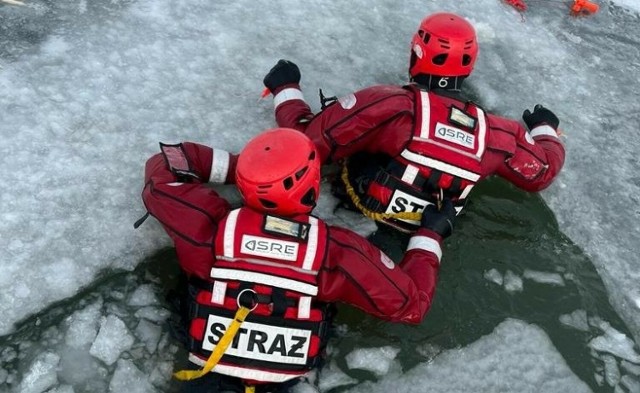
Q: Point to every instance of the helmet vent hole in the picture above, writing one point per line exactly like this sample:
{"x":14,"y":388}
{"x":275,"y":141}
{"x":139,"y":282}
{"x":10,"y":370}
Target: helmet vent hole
{"x":301,"y":172}
{"x":264,"y":186}
{"x":466,"y":60}
{"x":288,"y":183}
{"x":309,"y":199}
{"x":439,"y":59}
{"x":267,"y":204}
{"x":444,"y":43}
{"x":312,"y":156}
{"x":425,"y":37}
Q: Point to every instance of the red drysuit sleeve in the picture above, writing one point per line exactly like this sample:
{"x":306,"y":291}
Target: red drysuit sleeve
{"x":358,"y":273}
{"x":537,"y":156}
{"x":189,"y":211}
{"x":378,"y":119}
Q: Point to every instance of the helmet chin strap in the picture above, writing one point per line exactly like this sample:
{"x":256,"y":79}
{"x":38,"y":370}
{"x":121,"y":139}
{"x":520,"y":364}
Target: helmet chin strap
{"x":431,"y":82}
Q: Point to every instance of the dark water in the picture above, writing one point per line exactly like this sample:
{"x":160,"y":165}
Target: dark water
{"x":503,"y":229}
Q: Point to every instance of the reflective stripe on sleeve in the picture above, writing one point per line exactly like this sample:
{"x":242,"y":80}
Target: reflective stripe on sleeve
{"x":543,"y":130}
{"x":287,"y":95}
{"x":219,"y":166}
{"x":427,"y":244}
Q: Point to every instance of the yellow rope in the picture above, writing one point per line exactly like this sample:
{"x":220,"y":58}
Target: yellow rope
{"x":415,"y":216}
{"x":219,"y":350}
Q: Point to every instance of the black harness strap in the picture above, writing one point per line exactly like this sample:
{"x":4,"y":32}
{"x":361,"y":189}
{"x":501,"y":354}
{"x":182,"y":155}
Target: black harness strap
{"x":279,"y":302}
{"x":431,"y":185}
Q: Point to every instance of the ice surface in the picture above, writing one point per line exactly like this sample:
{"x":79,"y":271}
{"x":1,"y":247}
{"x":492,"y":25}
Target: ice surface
{"x":615,"y":343}
{"x":377,"y":360}
{"x":128,"y":378}
{"x":42,"y":374}
{"x":143,"y":296}
{"x":512,"y":282}
{"x":89,"y":89}
{"x":543,"y":277}
{"x":494,"y":275}
{"x":332,"y":377}
{"x":516,"y":357}
{"x":577,"y":320}
{"x":83,"y":326}
{"x":113,"y":338}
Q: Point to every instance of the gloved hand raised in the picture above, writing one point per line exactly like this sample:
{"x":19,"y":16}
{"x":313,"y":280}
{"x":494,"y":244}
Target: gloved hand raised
{"x":439,"y":221}
{"x":283,"y":73}
{"x":540,"y":116}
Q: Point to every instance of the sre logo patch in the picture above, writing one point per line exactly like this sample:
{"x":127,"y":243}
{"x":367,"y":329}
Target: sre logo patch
{"x":455,"y":135}
{"x":269,"y":248}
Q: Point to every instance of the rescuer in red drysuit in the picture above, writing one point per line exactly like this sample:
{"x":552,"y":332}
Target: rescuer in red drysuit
{"x":273,"y":256}
{"x":409,"y":146}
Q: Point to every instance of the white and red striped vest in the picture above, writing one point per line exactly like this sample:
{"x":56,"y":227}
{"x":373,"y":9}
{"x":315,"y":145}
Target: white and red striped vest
{"x":276,"y":260}
{"x":443,"y":158}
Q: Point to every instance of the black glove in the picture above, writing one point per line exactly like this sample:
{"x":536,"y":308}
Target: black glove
{"x":439,"y":221}
{"x":283,"y":73}
{"x":540,"y":116}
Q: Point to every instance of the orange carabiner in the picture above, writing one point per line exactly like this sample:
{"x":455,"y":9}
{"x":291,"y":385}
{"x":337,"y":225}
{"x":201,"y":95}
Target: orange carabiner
{"x":584,"y":7}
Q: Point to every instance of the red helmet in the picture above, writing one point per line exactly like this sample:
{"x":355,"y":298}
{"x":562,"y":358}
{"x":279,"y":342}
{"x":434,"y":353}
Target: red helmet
{"x":444,"y":45}
{"x":278,"y":172}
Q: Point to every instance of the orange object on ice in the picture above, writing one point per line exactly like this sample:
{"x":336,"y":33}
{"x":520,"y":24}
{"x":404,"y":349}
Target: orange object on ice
{"x":519,"y":5}
{"x":583,"y":7}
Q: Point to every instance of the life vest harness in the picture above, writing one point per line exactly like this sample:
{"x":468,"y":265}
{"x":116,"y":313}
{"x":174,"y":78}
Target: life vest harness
{"x":443,"y":159}
{"x":277,"y":310}
{"x":275,"y":260}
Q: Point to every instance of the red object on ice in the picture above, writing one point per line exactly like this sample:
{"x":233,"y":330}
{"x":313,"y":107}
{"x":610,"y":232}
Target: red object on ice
{"x":519,"y":5}
{"x":583,"y":7}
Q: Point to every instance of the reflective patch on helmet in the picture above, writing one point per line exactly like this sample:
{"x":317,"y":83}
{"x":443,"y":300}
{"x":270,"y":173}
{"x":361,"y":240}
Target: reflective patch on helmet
{"x":417,"y":49}
{"x":386,"y":261}
{"x":348,"y":101}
